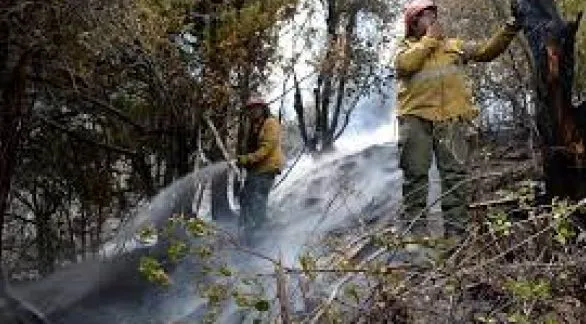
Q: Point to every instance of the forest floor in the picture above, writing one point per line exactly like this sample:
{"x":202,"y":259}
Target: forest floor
{"x":522,"y":260}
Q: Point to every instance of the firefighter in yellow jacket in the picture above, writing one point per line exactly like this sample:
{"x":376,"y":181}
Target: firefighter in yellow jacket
{"x":263,"y":161}
{"x":434,"y":107}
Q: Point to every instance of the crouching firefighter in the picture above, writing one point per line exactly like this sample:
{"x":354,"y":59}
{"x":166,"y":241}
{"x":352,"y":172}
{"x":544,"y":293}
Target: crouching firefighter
{"x":263,"y":160}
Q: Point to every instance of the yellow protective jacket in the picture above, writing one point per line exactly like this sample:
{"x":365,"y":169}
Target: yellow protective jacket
{"x":432,"y":84}
{"x":268,"y":156}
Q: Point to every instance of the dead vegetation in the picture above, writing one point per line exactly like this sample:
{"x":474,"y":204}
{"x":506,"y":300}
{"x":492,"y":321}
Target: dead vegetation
{"x":522,"y":262}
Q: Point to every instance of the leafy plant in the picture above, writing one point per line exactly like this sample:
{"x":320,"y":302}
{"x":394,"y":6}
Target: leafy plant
{"x":153,"y":271}
{"x":498,"y":222}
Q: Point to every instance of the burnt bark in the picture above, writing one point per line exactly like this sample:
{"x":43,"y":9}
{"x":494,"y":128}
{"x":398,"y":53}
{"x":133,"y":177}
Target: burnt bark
{"x":299,"y":111}
{"x":552,"y":41}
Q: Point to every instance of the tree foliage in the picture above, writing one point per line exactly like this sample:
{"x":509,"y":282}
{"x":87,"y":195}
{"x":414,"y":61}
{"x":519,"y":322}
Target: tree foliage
{"x":103,"y":103}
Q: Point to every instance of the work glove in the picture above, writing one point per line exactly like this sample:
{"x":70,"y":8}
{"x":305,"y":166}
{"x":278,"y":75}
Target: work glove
{"x":241,"y":160}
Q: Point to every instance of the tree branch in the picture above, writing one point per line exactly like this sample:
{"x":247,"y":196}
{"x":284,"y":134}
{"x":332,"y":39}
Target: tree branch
{"x":350,"y":26}
{"x":78,"y":137}
{"x":25,"y":201}
{"x":97,"y":102}
{"x":20,"y":218}
{"x":298,"y":106}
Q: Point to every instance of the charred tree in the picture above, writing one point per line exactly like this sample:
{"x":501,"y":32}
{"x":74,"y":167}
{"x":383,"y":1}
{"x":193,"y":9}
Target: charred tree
{"x":561,"y":124}
{"x":332,"y":115}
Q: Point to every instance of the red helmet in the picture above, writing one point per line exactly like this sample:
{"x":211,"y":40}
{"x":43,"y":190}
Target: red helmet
{"x":413,"y":8}
{"x":256,"y":101}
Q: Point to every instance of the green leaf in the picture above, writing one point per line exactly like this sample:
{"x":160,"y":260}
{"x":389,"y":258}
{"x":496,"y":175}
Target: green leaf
{"x":352,"y":291}
{"x":241,"y":300}
{"x":203,"y":252}
{"x":177,"y":251}
{"x":262,"y":305}
{"x":153,"y":271}
{"x":225,"y":271}
{"x":147,"y":234}
{"x":308,"y":263}
{"x":197,"y":227}
{"x":518,"y":318}
{"x":498,"y":221}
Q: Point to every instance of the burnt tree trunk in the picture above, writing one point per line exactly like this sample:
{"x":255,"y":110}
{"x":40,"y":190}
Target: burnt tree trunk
{"x":560,"y":123}
{"x":13,"y":117}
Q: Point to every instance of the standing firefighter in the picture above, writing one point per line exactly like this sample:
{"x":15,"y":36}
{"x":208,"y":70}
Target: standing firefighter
{"x":263,"y":161}
{"x":434,"y":109}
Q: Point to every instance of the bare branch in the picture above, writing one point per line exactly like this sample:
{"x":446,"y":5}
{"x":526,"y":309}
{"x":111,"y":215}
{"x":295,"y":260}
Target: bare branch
{"x":282,"y":294}
{"x":81,"y":138}
{"x":298,"y":106}
{"x":99,"y":103}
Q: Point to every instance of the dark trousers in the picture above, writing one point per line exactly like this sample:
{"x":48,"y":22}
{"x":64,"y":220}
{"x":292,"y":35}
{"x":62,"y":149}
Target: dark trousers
{"x":418,"y":140}
{"x":254,"y":200}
